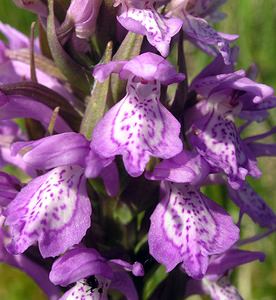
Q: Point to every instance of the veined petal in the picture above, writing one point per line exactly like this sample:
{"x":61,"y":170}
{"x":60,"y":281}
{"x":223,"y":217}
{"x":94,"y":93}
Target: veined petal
{"x":68,"y":148}
{"x":138,"y":127}
{"x":220,"y":289}
{"x":253,"y":205}
{"x":146,"y":21}
{"x":217,"y":140}
{"x":186,"y":227}
{"x":78,"y":263}
{"x":198,"y":29}
{"x":52,"y":209}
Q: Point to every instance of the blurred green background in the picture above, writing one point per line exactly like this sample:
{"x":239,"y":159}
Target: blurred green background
{"x":255,"y":22}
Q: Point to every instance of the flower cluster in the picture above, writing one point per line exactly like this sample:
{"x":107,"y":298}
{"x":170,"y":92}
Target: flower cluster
{"x":115,"y":163}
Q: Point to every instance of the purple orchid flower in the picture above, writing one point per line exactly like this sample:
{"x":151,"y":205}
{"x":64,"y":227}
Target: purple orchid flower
{"x":83,"y":15}
{"x":212,"y":129}
{"x":197,"y":29}
{"x":138,"y":126}
{"x":54,"y":208}
{"x":140,"y":16}
{"x":187,"y":227}
{"x":216,"y":283}
{"x":93,"y":275}
{"x":215,"y":137}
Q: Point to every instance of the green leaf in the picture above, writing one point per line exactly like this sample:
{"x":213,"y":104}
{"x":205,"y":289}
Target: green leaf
{"x":130,"y":47}
{"x":79,"y":78}
{"x":98,"y":99}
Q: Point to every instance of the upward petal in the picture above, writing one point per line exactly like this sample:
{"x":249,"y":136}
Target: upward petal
{"x":52,"y":209}
{"x":199,"y":30}
{"x":187,"y":227}
{"x":138,"y":127}
{"x":68,"y":148}
{"x":145,"y":20}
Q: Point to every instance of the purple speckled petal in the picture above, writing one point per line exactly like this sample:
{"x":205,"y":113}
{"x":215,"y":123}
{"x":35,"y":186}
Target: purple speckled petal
{"x":186,"y":227}
{"x":82,"y":291}
{"x":68,"y":148}
{"x":217,"y":140}
{"x":198,"y":29}
{"x":79,"y":263}
{"x":52,"y":209}
{"x":144,"y":19}
{"x":221,"y":289}
{"x":186,"y":167}
{"x":138,"y":127}
{"x":253,"y":205}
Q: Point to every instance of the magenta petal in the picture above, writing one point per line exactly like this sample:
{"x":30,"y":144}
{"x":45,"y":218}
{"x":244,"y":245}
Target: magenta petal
{"x":53,"y":210}
{"x":110,"y":176}
{"x":79,"y":263}
{"x":217,"y":140}
{"x":150,"y":66}
{"x":16,"y":39}
{"x":146,"y":21}
{"x":253,"y":205}
{"x":138,"y":127}
{"x":221,"y":289}
{"x":259,"y":149}
{"x":122,"y":282}
{"x":198,"y":29}
{"x":186,"y":167}
{"x":186,"y":227}
{"x":22,"y":107}
{"x":57,"y":150}
{"x":102,"y":71}
{"x":232,"y":258}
